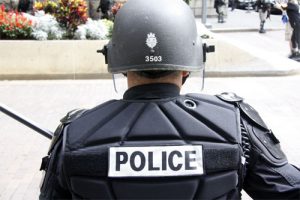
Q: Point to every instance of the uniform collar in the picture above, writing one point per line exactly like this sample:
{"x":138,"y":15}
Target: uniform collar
{"x":152,"y":91}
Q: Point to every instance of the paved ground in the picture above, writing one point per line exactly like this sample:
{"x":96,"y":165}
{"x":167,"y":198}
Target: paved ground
{"x":241,"y":28}
{"x":46,"y":102}
{"x":268,"y":52}
{"x":272,"y":42}
{"x":242,"y":20}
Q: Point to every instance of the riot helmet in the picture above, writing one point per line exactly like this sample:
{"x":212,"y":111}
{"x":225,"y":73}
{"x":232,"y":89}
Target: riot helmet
{"x":154,"y":35}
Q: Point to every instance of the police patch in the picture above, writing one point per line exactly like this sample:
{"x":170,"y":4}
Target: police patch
{"x":155,"y":161}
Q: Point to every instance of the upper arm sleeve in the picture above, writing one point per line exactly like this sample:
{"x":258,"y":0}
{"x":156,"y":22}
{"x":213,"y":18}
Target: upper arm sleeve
{"x":269,"y":175}
{"x":264,"y":181}
{"x":54,"y":186}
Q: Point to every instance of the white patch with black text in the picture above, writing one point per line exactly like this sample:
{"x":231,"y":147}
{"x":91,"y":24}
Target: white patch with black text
{"x":155,"y":161}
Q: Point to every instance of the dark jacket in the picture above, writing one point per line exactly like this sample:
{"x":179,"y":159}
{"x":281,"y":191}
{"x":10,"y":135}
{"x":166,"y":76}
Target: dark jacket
{"x":219,"y":3}
{"x":104,"y":5}
{"x":293,"y":14}
{"x":238,"y":150}
{"x":263,"y":5}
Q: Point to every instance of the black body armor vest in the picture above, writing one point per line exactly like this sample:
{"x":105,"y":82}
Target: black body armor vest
{"x":153,"y":140}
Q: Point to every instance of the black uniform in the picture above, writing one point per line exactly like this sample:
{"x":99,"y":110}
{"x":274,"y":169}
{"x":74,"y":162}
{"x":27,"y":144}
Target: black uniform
{"x":157,"y":144}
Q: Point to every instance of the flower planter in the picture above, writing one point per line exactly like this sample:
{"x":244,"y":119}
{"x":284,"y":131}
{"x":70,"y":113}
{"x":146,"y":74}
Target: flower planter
{"x":77,"y":59}
{"x":51,"y":59}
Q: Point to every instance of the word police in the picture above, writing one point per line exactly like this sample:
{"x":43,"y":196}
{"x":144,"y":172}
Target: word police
{"x":155,"y":161}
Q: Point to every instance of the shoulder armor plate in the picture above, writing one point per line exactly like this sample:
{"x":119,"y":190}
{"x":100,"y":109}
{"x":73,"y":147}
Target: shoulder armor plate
{"x":71,"y":116}
{"x":229,"y":97}
{"x":253,"y":115}
{"x":246,"y":109}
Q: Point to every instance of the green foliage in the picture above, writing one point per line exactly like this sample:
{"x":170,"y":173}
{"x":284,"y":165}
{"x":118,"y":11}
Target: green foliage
{"x":69,"y":13}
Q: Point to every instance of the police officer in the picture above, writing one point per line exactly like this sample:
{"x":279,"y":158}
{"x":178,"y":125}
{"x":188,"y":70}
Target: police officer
{"x":156,"y":143}
{"x":264,"y":10}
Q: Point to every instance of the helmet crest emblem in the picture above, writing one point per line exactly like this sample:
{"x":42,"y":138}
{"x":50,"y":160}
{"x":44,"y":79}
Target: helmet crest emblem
{"x":151,"y":40}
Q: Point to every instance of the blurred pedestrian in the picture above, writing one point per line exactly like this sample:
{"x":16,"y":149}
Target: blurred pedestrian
{"x":232,"y":4}
{"x":25,"y":6}
{"x":292,"y":10}
{"x":220,"y":6}
{"x":264,"y":10}
{"x":104,"y":6}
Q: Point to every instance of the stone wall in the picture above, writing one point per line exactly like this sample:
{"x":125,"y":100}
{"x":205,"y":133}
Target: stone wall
{"x":51,"y":59}
{"x":73,"y":59}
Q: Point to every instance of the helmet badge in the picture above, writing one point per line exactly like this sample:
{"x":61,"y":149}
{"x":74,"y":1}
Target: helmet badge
{"x":151,"y":41}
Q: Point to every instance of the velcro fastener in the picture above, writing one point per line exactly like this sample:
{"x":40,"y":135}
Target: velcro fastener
{"x":221,"y":159}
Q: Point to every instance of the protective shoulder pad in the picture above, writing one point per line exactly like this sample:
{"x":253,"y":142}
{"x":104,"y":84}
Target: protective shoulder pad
{"x":245,"y":108}
{"x":253,"y":115}
{"x":71,"y":116}
{"x":260,"y":135}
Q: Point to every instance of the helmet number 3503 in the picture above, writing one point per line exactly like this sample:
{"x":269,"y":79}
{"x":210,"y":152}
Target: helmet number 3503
{"x":153,"y":59}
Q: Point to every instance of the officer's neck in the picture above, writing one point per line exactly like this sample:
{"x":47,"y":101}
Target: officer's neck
{"x":134,"y":79}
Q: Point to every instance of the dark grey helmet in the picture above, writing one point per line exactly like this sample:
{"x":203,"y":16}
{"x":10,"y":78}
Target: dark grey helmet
{"x":154,"y":35}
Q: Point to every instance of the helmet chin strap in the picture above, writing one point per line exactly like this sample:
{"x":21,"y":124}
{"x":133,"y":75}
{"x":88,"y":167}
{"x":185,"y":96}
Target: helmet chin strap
{"x":114,"y":81}
{"x":203,"y":81}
